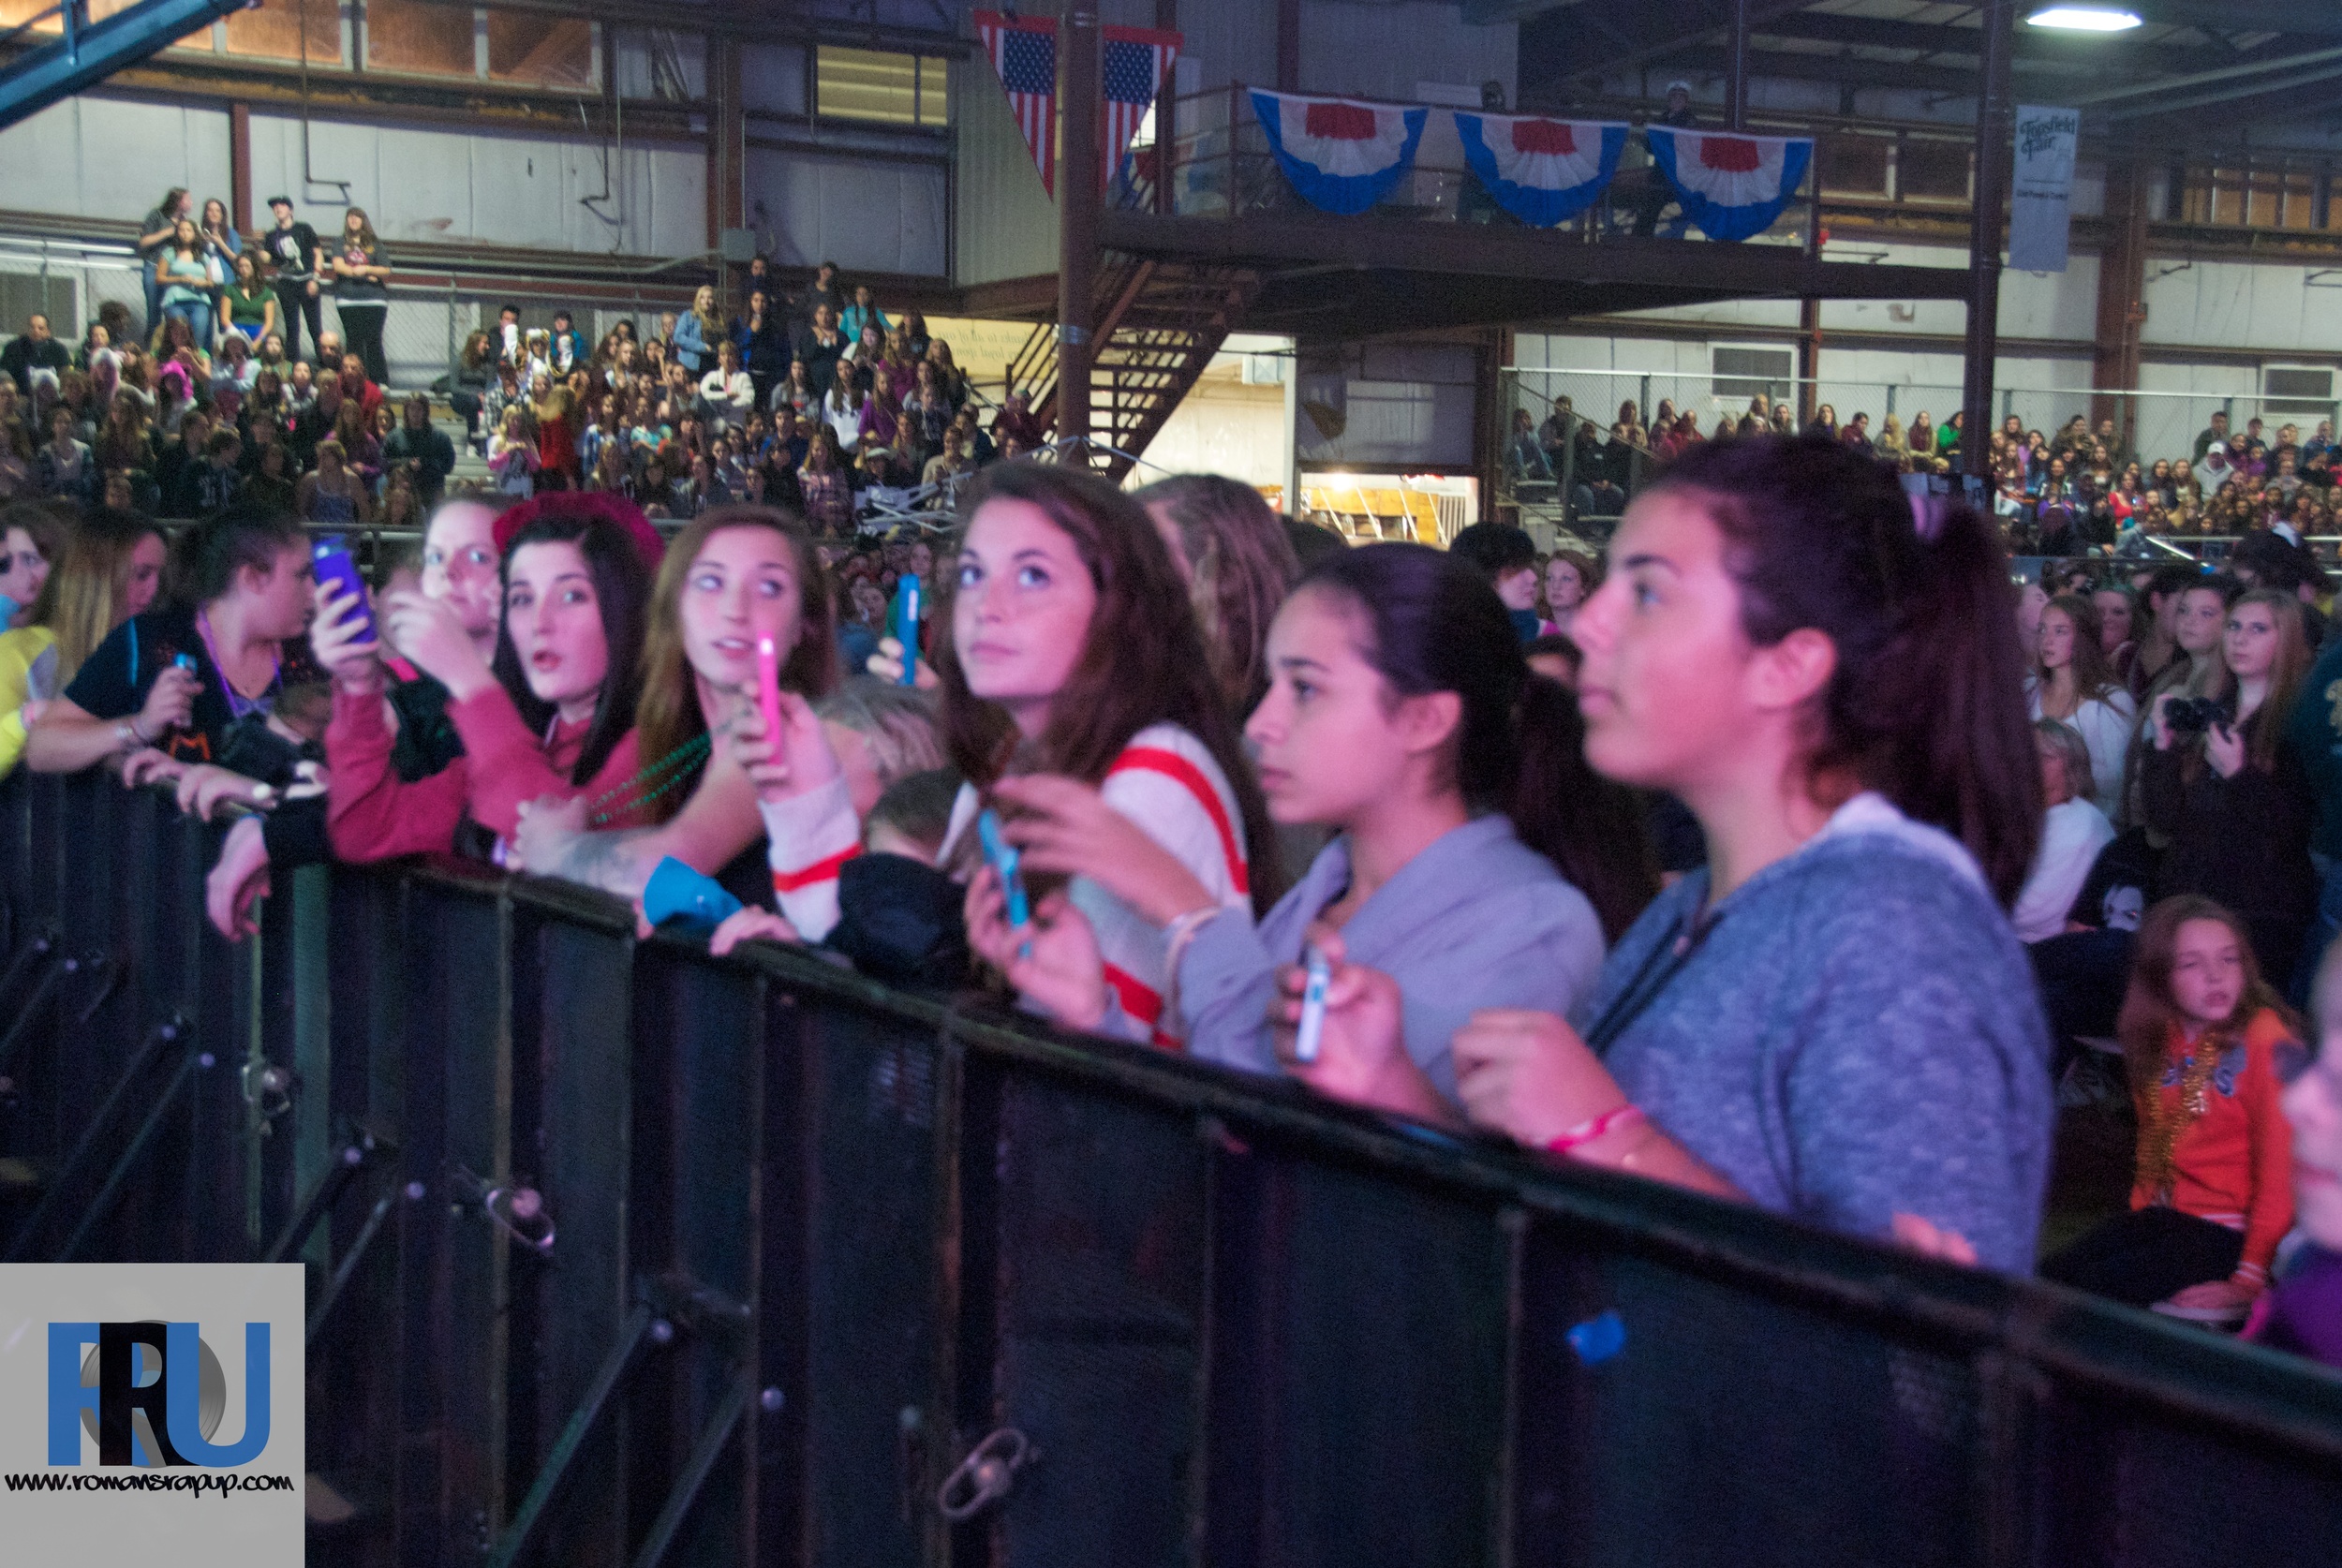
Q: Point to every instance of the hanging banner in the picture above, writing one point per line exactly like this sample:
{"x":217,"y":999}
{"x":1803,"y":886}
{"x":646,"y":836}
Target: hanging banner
{"x":1541,"y":170}
{"x":1343,"y":155}
{"x":1024,"y":54}
{"x":1731,"y":185}
{"x":1134,"y":64}
{"x":2040,"y":197}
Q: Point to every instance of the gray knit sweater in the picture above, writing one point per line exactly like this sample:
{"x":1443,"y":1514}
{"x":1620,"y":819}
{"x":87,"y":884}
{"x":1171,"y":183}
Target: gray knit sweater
{"x":1856,"y":1034}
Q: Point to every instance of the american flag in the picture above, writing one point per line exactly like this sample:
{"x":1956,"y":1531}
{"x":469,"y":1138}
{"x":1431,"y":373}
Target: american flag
{"x":1136,"y":63}
{"x":1024,"y":52}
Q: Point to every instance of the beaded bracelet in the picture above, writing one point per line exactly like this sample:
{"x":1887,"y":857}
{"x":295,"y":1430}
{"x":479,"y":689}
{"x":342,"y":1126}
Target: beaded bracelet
{"x":1593,"y":1127}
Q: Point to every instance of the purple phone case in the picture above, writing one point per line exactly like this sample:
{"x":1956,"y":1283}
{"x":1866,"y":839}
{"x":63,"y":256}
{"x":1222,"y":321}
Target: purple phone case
{"x":331,"y":559}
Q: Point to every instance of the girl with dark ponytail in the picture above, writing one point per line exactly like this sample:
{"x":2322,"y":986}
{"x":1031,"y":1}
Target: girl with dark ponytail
{"x":1401,"y":714}
{"x":1834,"y":1019}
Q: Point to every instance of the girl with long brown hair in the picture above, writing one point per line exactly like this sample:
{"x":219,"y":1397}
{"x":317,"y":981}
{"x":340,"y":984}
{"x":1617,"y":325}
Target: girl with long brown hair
{"x":2208,"y":1044}
{"x":2223,"y":787}
{"x":1074,"y":652}
{"x":2072,"y":682}
{"x":362,"y":297}
{"x":735,"y":575}
{"x":1832,"y":1019}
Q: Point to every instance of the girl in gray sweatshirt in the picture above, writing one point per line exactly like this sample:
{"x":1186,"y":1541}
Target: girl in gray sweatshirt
{"x":1476,"y":860}
{"x":1834,"y":1020}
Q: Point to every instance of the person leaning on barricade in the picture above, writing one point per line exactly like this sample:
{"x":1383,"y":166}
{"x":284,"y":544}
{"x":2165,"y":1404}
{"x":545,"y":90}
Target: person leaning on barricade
{"x":1834,"y":1020}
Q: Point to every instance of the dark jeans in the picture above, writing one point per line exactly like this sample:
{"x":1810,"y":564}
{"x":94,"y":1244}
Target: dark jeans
{"x":361,"y":336}
{"x":468,"y":406}
{"x":294,"y":305}
{"x":2142,"y":1257}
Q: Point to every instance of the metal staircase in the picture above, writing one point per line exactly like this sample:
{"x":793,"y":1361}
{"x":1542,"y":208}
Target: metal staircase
{"x":85,"y":52}
{"x":1159,"y":324}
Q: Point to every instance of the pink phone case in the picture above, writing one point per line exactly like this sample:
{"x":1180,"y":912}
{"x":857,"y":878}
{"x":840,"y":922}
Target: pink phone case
{"x":768,"y":696}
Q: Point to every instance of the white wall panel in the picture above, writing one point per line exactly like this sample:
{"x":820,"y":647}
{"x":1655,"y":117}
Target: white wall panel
{"x":447,"y":186}
{"x":2240,"y":305}
{"x":111,"y":158}
{"x":858,"y":213}
{"x":1007,"y":222}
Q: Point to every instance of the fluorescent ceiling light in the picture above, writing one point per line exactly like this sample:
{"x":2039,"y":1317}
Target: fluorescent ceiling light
{"x":2085,"y":18}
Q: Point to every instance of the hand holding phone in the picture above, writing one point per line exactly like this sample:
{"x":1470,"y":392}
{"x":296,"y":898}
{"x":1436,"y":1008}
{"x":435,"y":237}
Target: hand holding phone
{"x":1005,"y":860}
{"x":907,"y":625}
{"x":338,"y":572}
{"x":1313,"y":1024}
{"x":768,"y":698}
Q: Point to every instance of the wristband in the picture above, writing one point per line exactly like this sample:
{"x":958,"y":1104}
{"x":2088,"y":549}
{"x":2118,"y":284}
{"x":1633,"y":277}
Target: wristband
{"x":136,"y":733}
{"x":1593,"y":1127}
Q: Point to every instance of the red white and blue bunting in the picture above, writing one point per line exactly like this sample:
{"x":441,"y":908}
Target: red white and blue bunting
{"x":1541,"y":170}
{"x":1731,"y":185}
{"x":1343,"y":155}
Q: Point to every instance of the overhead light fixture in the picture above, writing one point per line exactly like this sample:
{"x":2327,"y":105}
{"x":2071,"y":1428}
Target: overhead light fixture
{"x":2085,"y":18}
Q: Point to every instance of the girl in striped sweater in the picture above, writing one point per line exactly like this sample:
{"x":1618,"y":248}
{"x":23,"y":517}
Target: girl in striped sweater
{"x":1073,"y":651}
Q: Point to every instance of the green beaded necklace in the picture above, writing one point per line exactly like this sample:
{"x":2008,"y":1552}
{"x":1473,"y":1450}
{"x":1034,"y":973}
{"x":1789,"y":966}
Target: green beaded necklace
{"x":671,"y":770}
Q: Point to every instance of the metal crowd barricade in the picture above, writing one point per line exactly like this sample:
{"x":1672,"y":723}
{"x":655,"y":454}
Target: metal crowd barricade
{"x":620,"y":1253}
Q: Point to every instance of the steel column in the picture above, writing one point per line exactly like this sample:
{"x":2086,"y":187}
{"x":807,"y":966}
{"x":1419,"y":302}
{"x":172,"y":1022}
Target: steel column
{"x":1996,"y":119}
{"x":1079,"y":109}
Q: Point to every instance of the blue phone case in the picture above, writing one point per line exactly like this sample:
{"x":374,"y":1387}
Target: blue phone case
{"x":907,"y":625}
{"x":334,"y":564}
{"x":1004,"y":859}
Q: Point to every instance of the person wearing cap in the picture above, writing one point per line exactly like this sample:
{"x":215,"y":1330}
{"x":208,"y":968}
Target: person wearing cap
{"x":292,"y":254}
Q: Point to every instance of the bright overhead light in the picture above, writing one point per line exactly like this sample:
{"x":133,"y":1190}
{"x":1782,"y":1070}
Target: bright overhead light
{"x":2085,"y":18}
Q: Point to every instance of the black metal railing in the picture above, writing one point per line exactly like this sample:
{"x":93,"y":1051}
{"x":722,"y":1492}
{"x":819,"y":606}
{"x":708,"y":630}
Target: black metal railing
{"x":620,"y":1253}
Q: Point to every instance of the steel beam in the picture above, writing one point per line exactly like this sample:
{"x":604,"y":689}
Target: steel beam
{"x":87,"y":53}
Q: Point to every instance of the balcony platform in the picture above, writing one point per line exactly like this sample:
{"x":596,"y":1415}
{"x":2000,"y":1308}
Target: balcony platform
{"x":1341,"y":278}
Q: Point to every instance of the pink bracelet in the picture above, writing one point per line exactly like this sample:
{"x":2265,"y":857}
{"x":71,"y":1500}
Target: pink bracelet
{"x":1587,"y":1130}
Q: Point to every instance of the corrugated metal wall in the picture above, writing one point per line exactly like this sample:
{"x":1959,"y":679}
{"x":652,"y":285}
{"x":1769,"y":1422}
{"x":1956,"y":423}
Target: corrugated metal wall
{"x":1007,"y":224}
{"x":859,"y":213}
{"x":500,"y":188}
{"x":104,"y":158}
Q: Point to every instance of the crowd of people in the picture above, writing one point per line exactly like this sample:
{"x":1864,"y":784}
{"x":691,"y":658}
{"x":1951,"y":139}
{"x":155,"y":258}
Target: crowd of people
{"x":815,"y":401}
{"x":2075,"y":491}
{"x":1696,"y":860}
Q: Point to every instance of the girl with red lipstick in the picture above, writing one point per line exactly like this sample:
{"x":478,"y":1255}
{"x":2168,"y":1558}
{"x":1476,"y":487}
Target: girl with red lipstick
{"x":553,"y":714}
{"x":2213,"y":1194}
{"x":735,"y":575}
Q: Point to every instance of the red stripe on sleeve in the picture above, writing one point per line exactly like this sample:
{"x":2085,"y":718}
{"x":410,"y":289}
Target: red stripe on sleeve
{"x":1148,"y":758}
{"x":820,"y":871}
